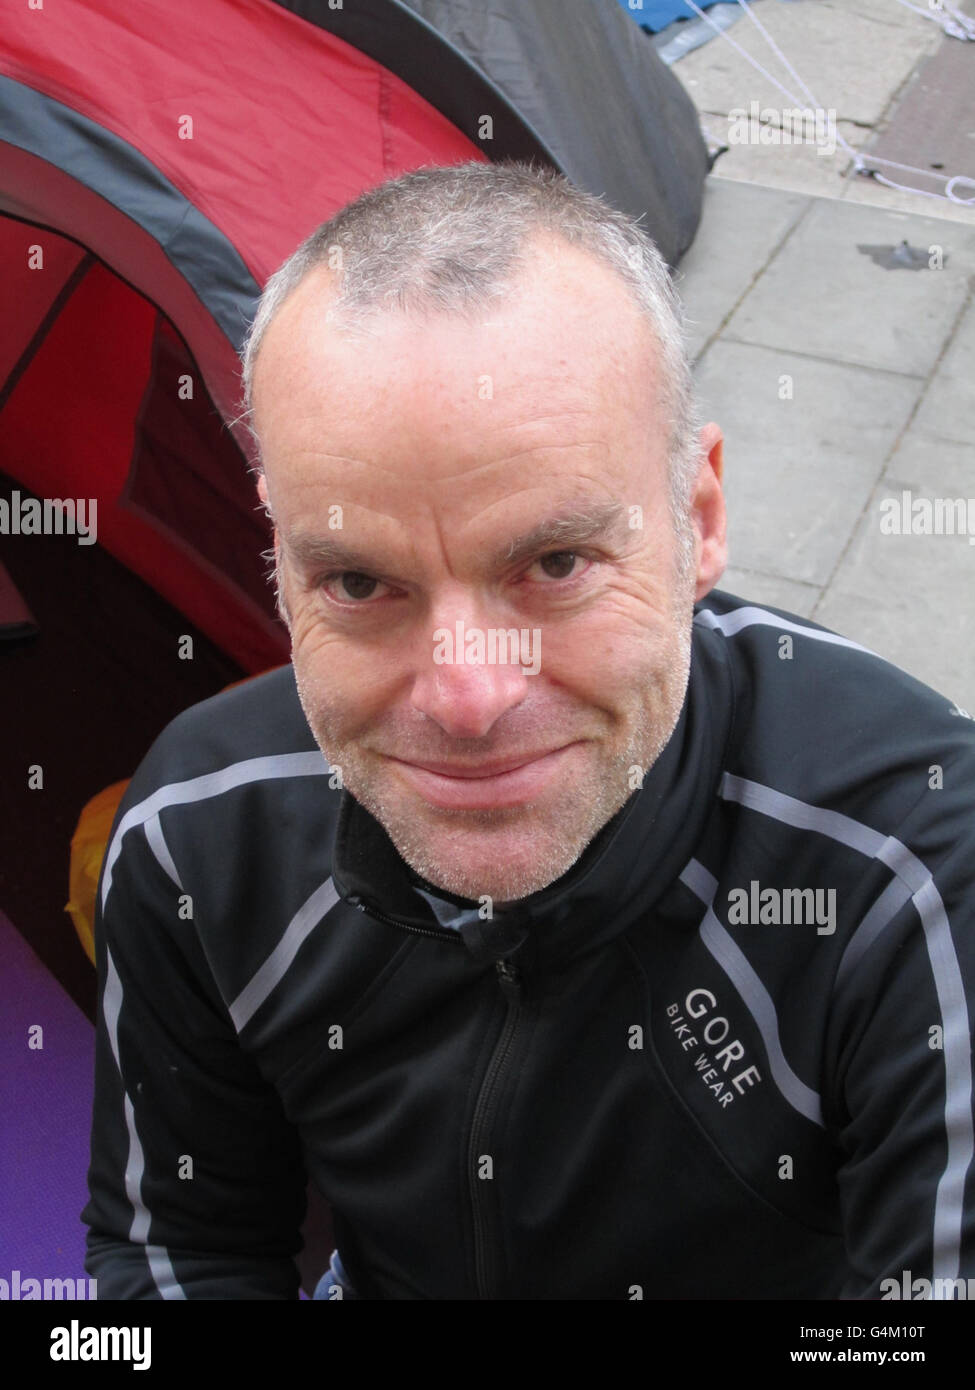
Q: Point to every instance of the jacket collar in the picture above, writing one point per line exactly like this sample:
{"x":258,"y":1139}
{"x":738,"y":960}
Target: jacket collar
{"x":620,"y":876}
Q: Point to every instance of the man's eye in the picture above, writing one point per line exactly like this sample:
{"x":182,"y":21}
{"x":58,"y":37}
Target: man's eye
{"x":350,"y":586}
{"x":561,"y":564}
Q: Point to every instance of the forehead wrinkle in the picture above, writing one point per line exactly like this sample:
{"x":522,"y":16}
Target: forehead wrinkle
{"x":462,"y":473}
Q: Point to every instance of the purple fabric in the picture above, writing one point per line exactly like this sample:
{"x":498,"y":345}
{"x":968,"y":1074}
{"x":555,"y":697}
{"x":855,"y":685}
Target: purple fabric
{"x":45,"y":1121}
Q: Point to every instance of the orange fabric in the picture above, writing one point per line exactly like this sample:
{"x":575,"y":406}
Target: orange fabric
{"x":88,"y":845}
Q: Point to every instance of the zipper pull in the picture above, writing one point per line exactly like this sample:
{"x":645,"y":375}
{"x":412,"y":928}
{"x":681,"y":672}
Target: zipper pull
{"x":509,"y":977}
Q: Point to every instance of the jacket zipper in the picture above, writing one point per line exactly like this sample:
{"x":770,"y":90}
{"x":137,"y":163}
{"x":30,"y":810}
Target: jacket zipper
{"x":509,"y":977}
{"x":485,"y":1254}
{"x":439,"y":933}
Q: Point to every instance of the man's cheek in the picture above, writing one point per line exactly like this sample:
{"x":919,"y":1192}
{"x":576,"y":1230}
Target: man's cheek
{"x":619,"y":638}
{"x":311,"y":635}
{"x":340,"y":680}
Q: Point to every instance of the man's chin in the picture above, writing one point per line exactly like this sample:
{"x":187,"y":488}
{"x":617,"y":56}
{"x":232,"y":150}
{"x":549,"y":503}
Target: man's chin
{"x":507,"y":880}
{"x":504,"y":854}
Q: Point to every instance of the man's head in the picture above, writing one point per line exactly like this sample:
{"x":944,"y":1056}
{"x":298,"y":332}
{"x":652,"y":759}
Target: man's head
{"x":474,"y":420}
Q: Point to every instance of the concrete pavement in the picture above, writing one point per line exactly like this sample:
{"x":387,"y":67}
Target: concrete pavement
{"x":842,"y":370}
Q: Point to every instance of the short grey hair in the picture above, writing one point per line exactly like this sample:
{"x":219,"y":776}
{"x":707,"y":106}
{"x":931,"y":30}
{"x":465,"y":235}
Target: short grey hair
{"x":452,"y":239}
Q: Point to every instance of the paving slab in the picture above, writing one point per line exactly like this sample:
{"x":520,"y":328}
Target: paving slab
{"x":799,"y":472}
{"x":850,"y":57}
{"x":824,"y":295}
{"x":772,"y":590}
{"x":741,"y":226}
{"x":897,"y":84}
{"x":948,"y":408}
{"x":931,"y":468}
{"x":909,"y":596}
{"x":853,"y":59}
{"x":856,"y":189}
{"x":882,"y":360}
{"x":821,"y":169}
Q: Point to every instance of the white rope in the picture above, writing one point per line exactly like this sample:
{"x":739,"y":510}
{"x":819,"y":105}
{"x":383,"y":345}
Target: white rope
{"x":957,"y":26}
{"x":966,"y":22}
{"x":777,"y":50}
{"x":949,"y":180}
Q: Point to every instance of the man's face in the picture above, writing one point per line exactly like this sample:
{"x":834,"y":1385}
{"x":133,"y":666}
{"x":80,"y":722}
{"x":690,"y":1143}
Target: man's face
{"x":436,"y":481}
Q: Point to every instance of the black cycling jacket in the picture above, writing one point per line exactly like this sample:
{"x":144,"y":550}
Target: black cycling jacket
{"x":728,"y":1055}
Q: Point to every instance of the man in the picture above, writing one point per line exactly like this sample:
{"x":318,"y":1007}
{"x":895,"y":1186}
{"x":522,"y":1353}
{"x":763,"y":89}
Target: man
{"x":620,"y":948}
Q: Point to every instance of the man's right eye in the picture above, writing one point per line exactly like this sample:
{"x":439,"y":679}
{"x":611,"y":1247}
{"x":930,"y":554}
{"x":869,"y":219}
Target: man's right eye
{"x":351,"y":586}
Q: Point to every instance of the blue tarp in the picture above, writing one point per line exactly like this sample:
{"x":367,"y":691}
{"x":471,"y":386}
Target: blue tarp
{"x":657,"y":14}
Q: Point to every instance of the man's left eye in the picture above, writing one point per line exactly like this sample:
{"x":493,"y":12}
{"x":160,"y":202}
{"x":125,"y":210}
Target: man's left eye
{"x":561,"y":564}
{"x":352,"y":587}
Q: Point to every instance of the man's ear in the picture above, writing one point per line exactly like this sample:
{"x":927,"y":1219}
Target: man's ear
{"x":262,"y":492}
{"x":279,"y":598}
{"x":712,"y":445}
{"x":708,"y":511}
{"x":266,"y":504}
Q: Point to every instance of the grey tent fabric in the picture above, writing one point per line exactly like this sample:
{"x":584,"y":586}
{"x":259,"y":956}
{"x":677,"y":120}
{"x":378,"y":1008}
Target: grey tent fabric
{"x":590,"y":83}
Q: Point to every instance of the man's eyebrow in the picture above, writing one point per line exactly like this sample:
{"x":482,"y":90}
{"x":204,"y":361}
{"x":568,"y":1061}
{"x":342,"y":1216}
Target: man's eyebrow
{"x":558,"y":532}
{"x":562,"y":532}
{"x":314,"y":552}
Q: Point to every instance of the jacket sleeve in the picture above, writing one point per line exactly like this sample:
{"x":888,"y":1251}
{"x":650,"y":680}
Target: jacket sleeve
{"x":197,"y":1187}
{"x":901,"y":1060}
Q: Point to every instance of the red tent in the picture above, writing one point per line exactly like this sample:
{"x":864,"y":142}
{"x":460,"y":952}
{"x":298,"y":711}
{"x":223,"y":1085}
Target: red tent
{"x":160,"y":160}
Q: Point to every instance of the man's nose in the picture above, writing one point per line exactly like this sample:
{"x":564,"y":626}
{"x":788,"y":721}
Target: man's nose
{"x":468,"y":676}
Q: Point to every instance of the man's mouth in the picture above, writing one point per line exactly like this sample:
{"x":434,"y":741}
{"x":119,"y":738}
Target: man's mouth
{"x":480,"y":786}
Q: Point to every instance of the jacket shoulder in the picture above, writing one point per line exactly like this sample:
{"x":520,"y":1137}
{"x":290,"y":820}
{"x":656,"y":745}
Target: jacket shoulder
{"x":256,"y":718}
{"x":825,"y":719}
